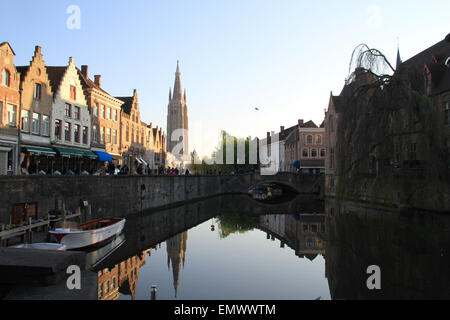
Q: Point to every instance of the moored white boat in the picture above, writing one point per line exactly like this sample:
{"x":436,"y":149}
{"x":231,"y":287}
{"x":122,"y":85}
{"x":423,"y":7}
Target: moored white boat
{"x":90,"y":233}
{"x":42,"y":246}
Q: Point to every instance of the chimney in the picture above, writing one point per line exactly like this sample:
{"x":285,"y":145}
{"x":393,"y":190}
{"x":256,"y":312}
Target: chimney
{"x":300,"y":122}
{"x":98,"y":80}
{"x":37,"y":50}
{"x":84,"y":71}
{"x":281,"y":128}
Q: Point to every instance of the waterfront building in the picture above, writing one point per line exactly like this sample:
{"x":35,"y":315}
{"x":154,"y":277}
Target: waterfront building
{"x":312,"y":148}
{"x":177,"y":118}
{"x":35,"y":117}
{"x":156,"y":148}
{"x":9,"y":111}
{"x":70,"y":120}
{"x":133,"y":141}
{"x":105,"y":113}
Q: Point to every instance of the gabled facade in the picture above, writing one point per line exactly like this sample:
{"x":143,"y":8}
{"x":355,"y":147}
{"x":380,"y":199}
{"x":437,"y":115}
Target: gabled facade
{"x":105,"y":113}
{"x":133,"y":133}
{"x":71,"y":120}
{"x":35,"y":115}
{"x":9,"y":111}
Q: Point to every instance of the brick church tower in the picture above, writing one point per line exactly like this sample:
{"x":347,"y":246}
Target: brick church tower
{"x":177,"y":118}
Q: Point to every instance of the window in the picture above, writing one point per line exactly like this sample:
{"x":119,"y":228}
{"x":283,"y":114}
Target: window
{"x":137,"y":135}
{"x":115,"y":115}
{"x":314,"y":228}
{"x":67,"y":129}
{"x":305,"y":153}
{"x":309,"y":139}
{"x":413,"y":152}
{"x":128,"y":133}
{"x":11,"y":115}
{"x":318,"y":140}
{"x":58,"y":128}
{"x":305,"y":228}
{"x":45,"y":125}
{"x":76,"y":113}
{"x":6,"y":77}
{"x":108,"y":135}
{"x":36,"y":123}
{"x":95,"y":133}
{"x":25,"y":125}
{"x":76,"y":133}
{"x":108,"y":114}
{"x":447,"y":113}
{"x":102,"y":134}
{"x":95,"y":110}
{"x":322,"y":153}
{"x":1,"y":112}
{"x":314,"y":153}
{"x":73,"y":93}
{"x":103,"y":115}
{"x":68,"y":110}
{"x":132,"y":134}
{"x":37,"y":91}
{"x":114,"y":137}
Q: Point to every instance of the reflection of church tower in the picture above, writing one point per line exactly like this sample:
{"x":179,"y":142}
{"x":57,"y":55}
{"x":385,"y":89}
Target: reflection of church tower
{"x":176,"y":253}
{"x":177,"y":116}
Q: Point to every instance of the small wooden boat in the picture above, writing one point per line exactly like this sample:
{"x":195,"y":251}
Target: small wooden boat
{"x":42,"y":246}
{"x":89,"y":234}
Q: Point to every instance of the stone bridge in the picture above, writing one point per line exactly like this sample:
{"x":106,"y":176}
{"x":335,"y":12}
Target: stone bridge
{"x":95,"y":196}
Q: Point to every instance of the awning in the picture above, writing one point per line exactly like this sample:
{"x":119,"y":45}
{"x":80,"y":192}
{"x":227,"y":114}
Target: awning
{"x":144,"y":162}
{"x":39,"y":151}
{"x":75,"y":153}
{"x":103,"y":156}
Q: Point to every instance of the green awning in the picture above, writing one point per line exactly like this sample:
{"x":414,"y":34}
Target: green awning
{"x":39,"y":151}
{"x":75,"y":153}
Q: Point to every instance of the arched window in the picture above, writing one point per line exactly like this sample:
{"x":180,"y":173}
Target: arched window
{"x":319,"y":140}
{"x":6,"y":78}
{"x":309,"y":139}
{"x":322,"y":153}
{"x":314,"y":153}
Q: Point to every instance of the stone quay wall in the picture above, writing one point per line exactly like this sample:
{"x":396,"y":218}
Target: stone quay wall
{"x":120,"y":196}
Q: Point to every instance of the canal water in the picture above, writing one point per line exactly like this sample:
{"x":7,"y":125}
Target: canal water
{"x":233,"y":247}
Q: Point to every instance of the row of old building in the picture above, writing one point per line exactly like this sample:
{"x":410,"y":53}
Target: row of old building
{"x":57,"y":118}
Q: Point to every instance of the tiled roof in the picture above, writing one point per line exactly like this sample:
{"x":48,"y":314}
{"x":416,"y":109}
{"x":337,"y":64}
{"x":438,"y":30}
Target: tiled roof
{"x":127,"y":105}
{"x":55,"y":75}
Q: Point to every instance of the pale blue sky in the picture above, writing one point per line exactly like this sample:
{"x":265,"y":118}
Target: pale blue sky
{"x":282,"y":56}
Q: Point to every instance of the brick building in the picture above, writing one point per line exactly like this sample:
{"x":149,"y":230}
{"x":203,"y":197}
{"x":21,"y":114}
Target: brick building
{"x":35,"y":115}
{"x":9,"y":110}
{"x":105,"y":112}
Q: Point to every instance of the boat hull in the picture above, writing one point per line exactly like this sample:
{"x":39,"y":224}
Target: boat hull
{"x":80,"y":239}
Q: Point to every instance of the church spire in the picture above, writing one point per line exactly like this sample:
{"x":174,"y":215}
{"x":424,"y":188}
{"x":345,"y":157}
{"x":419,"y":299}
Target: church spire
{"x":177,"y":91}
{"x":170,"y":94}
{"x":399,"y":60}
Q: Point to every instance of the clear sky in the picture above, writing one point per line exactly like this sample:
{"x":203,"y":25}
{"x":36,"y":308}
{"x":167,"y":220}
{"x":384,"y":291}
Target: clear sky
{"x":282,"y":56}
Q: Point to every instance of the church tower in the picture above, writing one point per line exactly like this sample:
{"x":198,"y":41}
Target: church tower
{"x":177,"y":118}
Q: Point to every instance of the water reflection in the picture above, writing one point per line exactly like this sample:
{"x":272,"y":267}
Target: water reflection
{"x":411,"y":249}
{"x":301,"y":249}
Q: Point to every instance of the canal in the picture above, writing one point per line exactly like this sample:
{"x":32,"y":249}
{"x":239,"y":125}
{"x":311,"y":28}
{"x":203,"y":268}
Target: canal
{"x":233,"y":247}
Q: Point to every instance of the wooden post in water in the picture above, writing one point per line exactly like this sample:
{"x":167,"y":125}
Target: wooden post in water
{"x":154,"y":291}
